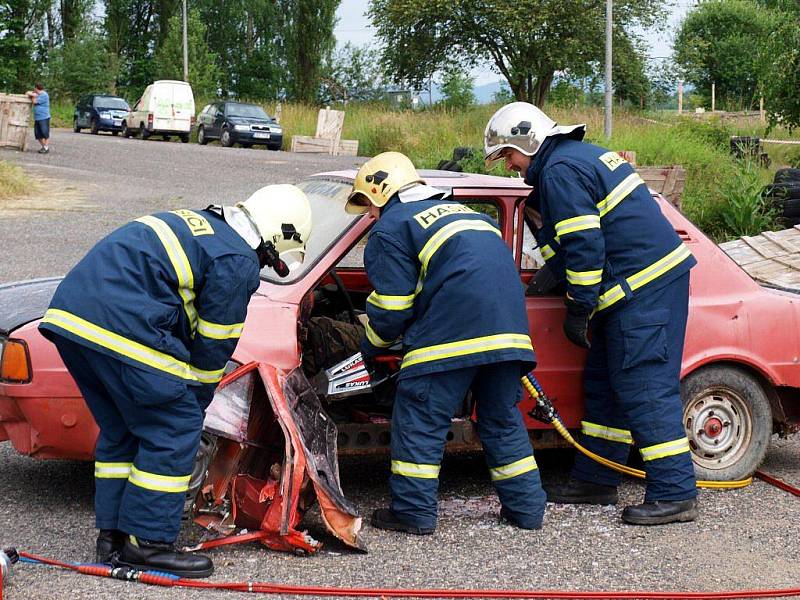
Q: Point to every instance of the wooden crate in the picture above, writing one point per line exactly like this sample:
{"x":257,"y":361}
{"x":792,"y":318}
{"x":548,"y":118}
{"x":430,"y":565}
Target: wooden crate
{"x":667,"y":181}
{"x":328,"y":137}
{"x":15,"y":113}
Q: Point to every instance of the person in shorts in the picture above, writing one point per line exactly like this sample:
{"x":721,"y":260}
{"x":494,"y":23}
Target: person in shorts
{"x":41,"y":116}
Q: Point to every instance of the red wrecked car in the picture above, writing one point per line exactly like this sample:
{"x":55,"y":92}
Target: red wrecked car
{"x":293,"y":399}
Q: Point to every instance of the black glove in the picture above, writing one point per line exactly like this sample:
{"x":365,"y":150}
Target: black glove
{"x":576,"y":323}
{"x":377,"y":370}
{"x":543,"y":283}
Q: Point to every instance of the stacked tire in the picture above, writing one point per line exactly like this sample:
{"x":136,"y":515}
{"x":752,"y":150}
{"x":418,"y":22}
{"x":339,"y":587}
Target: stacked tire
{"x":784,"y":194}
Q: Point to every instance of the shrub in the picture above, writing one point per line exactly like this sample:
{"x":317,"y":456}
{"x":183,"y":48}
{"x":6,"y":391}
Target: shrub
{"x":13,"y":181}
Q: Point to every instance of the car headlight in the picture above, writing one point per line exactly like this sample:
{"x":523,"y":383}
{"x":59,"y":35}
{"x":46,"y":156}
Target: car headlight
{"x":242,"y":127}
{"x":274,"y":129}
{"x":105,"y":115}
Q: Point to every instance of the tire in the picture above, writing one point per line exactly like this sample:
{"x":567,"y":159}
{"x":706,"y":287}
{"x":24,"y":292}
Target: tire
{"x":201,"y":136}
{"x":94,"y":129}
{"x":165,"y":138}
{"x":274,"y":147}
{"x":787,"y":176}
{"x":75,"y":127}
{"x":728,"y":421}
{"x":184,"y":138}
{"x":246,"y":145}
{"x":115,"y":133}
{"x":783,"y":191}
{"x":126,"y":133}
{"x":143,"y":133}
{"x":225,"y":138}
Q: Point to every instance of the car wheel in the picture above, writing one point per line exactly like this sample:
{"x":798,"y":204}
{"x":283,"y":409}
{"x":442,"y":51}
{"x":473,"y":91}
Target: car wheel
{"x":165,"y":138}
{"x":114,"y":132}
{"x":201,"y":136}
{"x":75,"y":127}
{"x":728,"y":421}
{"x":246,"y":145}
{"x":94,"y":127}
{"x":185,"y":138}
{"x":126,"y":133}
{"x":225,"y":139}
{"x":143,"y":133}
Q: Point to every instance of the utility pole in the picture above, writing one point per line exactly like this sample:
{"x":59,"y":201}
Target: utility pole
{"x":185,"y":46}
{"x":713,"y":96}
{"x":680,"y":96}
{"x":609,"y":93}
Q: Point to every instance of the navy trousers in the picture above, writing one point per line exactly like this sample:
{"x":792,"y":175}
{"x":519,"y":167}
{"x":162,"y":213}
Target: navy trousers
{"x":421,"y":418}
{"x":150,"y":429}
{"x":632,"y":393}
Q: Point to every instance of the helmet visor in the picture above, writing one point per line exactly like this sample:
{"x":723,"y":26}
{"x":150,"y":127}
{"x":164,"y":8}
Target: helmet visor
{"x":293,"y":258}
{"x":357,"y":204}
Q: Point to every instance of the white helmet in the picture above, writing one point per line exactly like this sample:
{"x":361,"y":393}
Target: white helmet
{"x":524,"y":127}
{"x":282,"y":216}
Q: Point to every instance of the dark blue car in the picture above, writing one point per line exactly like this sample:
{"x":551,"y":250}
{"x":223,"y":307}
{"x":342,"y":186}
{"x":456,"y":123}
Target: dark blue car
{"x":99,"y":112}
{"x":238,"y":123}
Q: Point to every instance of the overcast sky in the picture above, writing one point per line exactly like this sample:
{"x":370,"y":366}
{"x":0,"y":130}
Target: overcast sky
{"x":354,"y":27}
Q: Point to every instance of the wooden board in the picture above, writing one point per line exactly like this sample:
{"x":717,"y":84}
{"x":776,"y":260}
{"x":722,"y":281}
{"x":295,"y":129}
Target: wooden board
{"x":308,"y":144}
{"x":15,"y":113}
{"x":771,"y":257}
{"x":667,"y":181}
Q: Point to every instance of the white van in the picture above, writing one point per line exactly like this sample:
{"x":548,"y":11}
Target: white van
{"x":166,"y":108}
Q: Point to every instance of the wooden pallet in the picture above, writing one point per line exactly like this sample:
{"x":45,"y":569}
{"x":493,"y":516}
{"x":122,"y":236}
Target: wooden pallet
{"x":771,"y":257}
{"x":15,"y":113}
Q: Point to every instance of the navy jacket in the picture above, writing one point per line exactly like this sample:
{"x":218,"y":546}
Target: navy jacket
{"x":601,"y":229}
{"x":167,"y":293}
{"x":446,"y":281}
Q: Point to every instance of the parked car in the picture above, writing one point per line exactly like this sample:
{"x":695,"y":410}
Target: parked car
{"x":99,"y":112}
{"x":166,"y":108}
{"x":270,"y":422}
{"x":238,"y":123}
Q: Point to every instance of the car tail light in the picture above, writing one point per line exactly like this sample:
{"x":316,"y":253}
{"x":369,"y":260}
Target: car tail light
{"x":15,"y":361}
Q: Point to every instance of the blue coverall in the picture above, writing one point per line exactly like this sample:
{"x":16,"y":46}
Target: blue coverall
{"x":622,"y":260}
{"x":446,"y":281}
{"x":145,"y":324}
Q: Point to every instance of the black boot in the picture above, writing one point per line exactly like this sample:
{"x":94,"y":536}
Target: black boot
{"x":576,"y":491}
{"x":109,"y":541}
{"x":661,"y":512}
{"x":384,"y":518}
{"x":147,"y":555}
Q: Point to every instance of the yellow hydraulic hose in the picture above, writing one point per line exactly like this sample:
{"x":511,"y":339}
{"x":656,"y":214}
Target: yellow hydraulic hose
{"x":559,"y":426}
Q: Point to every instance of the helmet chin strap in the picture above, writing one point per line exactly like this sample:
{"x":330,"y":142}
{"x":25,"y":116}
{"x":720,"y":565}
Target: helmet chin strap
{"x":268,"y":257}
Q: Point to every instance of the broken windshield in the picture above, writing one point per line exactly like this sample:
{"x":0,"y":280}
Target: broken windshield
{"x":329,"y":219}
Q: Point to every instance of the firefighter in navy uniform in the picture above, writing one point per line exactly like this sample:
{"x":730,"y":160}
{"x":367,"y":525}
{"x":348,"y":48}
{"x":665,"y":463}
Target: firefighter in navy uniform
{"x":145,"y":324}
{"x":446,"y":282}
{"x":627,"y":281}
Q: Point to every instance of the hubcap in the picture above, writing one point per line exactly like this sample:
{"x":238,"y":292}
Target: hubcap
{"x":719,"y":425}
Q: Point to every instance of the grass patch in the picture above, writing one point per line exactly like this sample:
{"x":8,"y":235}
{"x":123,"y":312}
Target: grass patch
{"x":13,"y":181}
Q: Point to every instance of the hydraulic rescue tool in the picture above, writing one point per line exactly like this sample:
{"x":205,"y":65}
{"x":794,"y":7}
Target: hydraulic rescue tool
{"x":8,"y":557}
{"x":544,"y":411}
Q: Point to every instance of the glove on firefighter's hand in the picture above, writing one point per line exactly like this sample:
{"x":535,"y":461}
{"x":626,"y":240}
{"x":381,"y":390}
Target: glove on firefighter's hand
{"x":378,"y":371}
{"x":576,"y":324}
{"x":543,"y":283}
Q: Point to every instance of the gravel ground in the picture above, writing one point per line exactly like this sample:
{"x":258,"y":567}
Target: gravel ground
{"x":744,"y":539}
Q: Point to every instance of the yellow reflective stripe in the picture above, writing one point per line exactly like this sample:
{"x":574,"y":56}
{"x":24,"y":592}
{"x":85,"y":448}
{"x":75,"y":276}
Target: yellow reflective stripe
{"x":513,"y":469}
{"x":657,"y":269}
{"x":218,"y":331}
{"x":619,"y":193}
{"x":645,"y":276}
{"x":547,"y":252}
{"x":577,"y":224}
{"x":180,"y":262}
{"x":469,"y":346}
{"x":584,"y":277}
{"x":391,"y":302}
{"x":375,"y":339}
{"x":407,"y":469}
{"x":607,"y":433}
{"x":117,"y":343}
{"x":159,"y":483}
{"x":446,"y":232}
{"x":672,"y":448}
{"x":107,"y":470}
{"x":202,"y":376}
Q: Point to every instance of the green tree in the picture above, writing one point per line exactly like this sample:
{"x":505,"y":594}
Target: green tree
{"x":83,"y":64}
{"x":203,"y":70}
{"x":527,"y":41}
{"x":457,"y":89}
{"x":782,"y":74}
{"x":17,"y":21}
{"x":722,"y":42}
{"x":355,"y":74}
{"x":309,"y":42}
{"x":629,"y":76}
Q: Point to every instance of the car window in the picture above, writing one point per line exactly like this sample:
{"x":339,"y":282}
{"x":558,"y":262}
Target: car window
{"x":531,"y":256}
{"x":249,"y":111}
{"x":206,"y":109}
{"x":111,"y":102}
{"x":218,"y":112}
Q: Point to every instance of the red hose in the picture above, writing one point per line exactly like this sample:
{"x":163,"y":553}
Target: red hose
{"x":297,"y":590}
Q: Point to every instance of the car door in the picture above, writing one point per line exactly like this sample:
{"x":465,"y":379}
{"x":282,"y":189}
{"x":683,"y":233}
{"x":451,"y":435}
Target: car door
{"x":83,"y":111}
{"x":219,"y":118}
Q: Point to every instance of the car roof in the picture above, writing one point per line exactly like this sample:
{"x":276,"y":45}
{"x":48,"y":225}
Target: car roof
{"x":446,"y":179}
